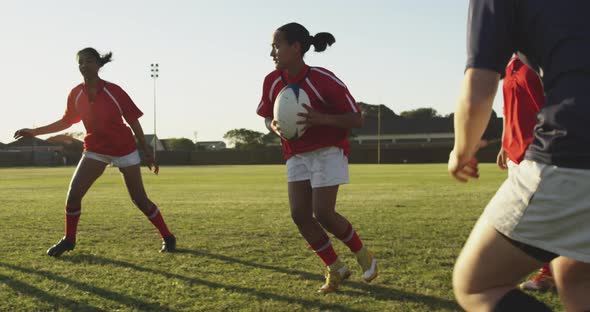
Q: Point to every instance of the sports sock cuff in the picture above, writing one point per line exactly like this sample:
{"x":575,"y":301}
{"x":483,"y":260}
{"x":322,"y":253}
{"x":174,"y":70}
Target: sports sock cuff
{"x":516,"y":300}
{"x":152,"y":213}
{"x":546,"y":270}
{"x":347,"y":235}
{"x":321,"y":244}
{"x":73,"y":210}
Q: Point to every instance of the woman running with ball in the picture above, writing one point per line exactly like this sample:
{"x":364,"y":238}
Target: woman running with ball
{"x":102,"y":106}
{"x":317,"y":161}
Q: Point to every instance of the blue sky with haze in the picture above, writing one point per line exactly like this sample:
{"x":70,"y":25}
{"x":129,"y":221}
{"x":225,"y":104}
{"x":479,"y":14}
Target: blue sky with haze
{"x":213,"y":56}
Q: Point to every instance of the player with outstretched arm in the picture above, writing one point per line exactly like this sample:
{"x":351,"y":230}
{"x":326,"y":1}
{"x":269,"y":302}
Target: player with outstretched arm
{"x":103,"y":106}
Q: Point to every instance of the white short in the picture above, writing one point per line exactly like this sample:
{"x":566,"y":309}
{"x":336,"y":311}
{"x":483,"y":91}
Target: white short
{"x":322,"y":167}
{"x":544,"y":206}
{"x":119,"y":162}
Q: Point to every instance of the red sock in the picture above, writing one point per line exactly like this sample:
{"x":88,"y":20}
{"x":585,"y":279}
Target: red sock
{"x":546,"y":270}
{"x":72,"y":217}
{"x":323,"y":248}
{"x":351,"y":239}
{"x":155,"y":217}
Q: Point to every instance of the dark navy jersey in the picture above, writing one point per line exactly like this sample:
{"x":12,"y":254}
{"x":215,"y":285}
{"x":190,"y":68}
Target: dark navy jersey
{"x":555,"y":35}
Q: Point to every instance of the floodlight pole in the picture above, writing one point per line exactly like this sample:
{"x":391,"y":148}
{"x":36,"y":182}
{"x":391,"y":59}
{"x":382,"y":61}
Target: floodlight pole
{"x":379,"y":134}
{"x":33,"y":145}
{"x":155,"y":73}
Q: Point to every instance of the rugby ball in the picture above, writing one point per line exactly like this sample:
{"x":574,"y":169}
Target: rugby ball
{"x":287,"y":105}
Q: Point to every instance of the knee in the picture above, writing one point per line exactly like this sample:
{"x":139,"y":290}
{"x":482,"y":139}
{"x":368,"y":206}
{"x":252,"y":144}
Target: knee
{"x":74,"y":197}
{"x":473,"y":294}
{"x":463,"y":295}
{"x":325,"y":218}
{"x":459,"y":287}
{"x":301,"y":219}
{"x":462,"y":288}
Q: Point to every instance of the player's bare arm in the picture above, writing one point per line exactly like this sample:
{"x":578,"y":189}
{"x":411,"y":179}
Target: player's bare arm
{"x":51,"y":128}
{"x":149,"y":157}
{"x":472,"y":115}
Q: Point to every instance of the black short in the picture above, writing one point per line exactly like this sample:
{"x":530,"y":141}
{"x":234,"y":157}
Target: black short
{"x":537,"y":253}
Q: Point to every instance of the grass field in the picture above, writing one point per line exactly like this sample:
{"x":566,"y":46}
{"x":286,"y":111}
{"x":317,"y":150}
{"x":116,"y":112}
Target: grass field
{"x":239,"y":249}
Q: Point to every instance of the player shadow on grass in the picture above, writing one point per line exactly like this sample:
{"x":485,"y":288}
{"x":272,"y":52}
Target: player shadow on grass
{"x":69,"y":304}
{"x":54,"y":301}
{"x":98,"y":260}
{"x":372,"y":290}
{"x":361,"y":289}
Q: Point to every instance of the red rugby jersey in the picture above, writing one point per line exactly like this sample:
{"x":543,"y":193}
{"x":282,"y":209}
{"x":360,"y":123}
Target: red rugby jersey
{"x":327,"y":94}
{"x":106,"y":133}
{"x":523,"y":99}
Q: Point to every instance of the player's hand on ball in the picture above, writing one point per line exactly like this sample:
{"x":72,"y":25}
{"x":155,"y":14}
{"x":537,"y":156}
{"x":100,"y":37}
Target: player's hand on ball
{"x":463,"y":169}
{"x":312,"y":117}
{"x":25,"y":132}
{"x":274,"y":125}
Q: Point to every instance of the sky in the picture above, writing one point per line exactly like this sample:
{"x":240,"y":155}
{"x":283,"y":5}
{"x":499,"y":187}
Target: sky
{"x":214,"y":55}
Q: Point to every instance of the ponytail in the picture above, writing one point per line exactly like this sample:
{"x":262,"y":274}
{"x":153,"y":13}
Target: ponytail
{"x":321,"y":41}
{"x":100,"y":59}
{"x":105,"y":58}
{"x":295,"y":32}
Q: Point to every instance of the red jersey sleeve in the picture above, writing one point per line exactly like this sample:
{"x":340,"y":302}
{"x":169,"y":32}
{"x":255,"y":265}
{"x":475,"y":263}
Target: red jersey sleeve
{"x":129,"y":110}
{"x":265,"y":107}
{"x":335,"y":93}
{"x":71,"y":115}
{"x":523,"y":98}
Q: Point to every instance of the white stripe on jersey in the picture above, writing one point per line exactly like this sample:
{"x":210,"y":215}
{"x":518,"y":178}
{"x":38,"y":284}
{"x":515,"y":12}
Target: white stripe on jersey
{"x":115,"y":100}
{"x":272,"y":88}
{"x":329,"y":75}
{"x":259,"y":106}
{"x":351,"y":104}
{"x":314,"y":90}
{"x":511,"y":61}
{"x":77,"y":97}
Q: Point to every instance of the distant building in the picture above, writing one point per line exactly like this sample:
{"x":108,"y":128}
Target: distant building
{"x":151,"y":139}
{"x":166,"y":144}
{"x":31,"y":144}
{"x":396,"y":129}
{"x":64,"y":140}
{"x":210,"y":145}
{"x":32,"y":151}
{"x":402,"y":130}
{"x":72,"y":148}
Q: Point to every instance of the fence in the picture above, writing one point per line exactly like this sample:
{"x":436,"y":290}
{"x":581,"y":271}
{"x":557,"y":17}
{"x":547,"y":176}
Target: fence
{"x":29,"y":158}
{"x":360,"y":154}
